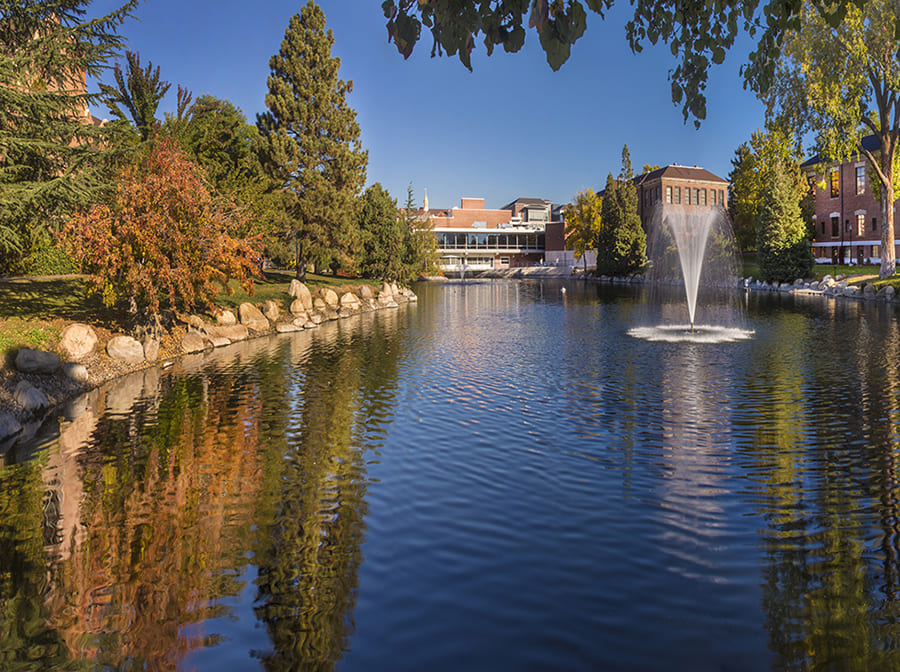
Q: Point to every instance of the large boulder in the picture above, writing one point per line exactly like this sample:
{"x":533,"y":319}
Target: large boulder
{"x":330,"y":297}
{"x":286,"y":327}
{"x":298,"y":308}
{"x":869,"y":291}
{"x":252,"y":318}
{"x":271,"y":310}
{"x":36,"y":361}
{"x":29,"y":397}
{"x":350,"y":303}
{"x":151,"y":349}
{"x":300,"y":291}
{"x":234,"y":332}
{"x":9,"y":426}
{"x":386,"y":289}
{"x":125,"y":349}
{"x":76,"y":371}
{"x":193,"y":342}
{"x":365,"y":292}
{"x":225,"y":318}
{"x":77,"y":341}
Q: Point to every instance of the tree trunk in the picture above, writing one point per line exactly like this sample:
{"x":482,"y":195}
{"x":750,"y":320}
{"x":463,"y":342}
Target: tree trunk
{"x":888,"y":251}
{"x":301,"y":267}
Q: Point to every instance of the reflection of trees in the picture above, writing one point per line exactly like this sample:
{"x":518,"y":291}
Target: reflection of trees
{"x":164,"y":501}
{"x":27,"y":640}
{"x":831,"y":578}
{"x":308,"y":565}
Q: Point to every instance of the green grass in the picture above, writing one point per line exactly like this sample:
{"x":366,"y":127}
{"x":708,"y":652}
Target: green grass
{"x":275,"y":286}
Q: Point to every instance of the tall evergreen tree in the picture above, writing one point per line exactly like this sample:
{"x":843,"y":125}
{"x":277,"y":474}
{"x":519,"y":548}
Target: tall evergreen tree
{"x":382,"y":235}
{"x":622,"y":244}
{"x":784,"y":252}
{"x":311,"y":143}
{"x":50,"y":152}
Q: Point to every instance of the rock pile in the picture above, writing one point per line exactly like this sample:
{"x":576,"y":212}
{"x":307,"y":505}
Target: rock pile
{"x":41,"y":380}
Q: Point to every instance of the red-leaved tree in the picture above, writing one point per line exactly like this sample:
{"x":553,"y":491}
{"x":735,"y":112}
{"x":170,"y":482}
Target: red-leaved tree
{"x":164,"y":239}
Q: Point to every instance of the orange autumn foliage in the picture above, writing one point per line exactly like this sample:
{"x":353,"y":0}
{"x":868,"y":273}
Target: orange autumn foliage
{"x":163,"y":240}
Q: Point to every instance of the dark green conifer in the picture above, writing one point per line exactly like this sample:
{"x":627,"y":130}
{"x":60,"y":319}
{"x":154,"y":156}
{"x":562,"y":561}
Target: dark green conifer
{"x":622,"y":243}
{"x":311,"y":144}
{"x":51,"y":155}
{"x":784,"y":252}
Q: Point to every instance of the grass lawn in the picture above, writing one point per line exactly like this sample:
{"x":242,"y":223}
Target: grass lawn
{"x":33,"y":311}
{"x":855,"y":274}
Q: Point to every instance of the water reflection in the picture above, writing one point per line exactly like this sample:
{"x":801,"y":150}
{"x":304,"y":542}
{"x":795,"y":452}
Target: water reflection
{"x":126,"y":538}
{"x":499,"y":478}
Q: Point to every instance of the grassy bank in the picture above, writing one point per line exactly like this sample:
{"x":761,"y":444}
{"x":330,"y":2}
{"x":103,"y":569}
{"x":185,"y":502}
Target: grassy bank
{"x":33,"y":311}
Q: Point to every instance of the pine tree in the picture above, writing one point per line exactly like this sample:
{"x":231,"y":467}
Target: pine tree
{"x":784,"y":252}
{"x":630,"y":238}
{"x":311,"y":143}
{"x":51,"y":155}
{"x":622,"y":243}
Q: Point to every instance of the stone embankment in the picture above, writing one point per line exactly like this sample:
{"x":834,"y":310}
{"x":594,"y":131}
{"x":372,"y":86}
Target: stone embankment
{"x":831,"y":286}
{"x":39,"y":381}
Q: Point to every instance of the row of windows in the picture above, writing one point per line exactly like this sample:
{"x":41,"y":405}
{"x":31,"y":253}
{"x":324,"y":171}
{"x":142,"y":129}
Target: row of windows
{"x":859,"y":230}
{"x":493,"y":241}
{"x":835,"y":182}
{"x":695,"y":196}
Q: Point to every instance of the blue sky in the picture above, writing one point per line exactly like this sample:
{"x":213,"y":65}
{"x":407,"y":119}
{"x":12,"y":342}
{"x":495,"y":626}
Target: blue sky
{"x":511,"y":128}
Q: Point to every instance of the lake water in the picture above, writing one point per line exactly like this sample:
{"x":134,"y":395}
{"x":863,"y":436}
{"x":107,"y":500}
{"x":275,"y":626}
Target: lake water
{"x":499,"y":477}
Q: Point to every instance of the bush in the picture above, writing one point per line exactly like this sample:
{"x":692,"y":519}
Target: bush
{"x":48,"y":259}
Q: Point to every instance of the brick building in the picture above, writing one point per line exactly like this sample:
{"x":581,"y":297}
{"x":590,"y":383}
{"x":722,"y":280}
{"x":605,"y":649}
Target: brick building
{"x":848,"y":217}
{"x":686,"y":186}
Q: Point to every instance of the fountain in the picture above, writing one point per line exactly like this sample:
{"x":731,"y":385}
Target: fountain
{"x":690,"y":232}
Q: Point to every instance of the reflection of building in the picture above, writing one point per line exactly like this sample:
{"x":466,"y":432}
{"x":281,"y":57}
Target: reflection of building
{"x":472,"y":237}
{"x":678,"y":185}
{"x":848,"y":215}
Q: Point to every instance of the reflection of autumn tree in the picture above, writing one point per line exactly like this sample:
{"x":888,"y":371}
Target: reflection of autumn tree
{"x":167,"y":491}
{"x":309,"y":565}
{"x":828,"y":596}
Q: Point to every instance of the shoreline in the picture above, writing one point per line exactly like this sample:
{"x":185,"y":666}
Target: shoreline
{"x":188,"y":334}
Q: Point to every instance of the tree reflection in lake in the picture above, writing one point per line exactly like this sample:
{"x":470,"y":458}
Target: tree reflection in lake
{"x":134,"y":525}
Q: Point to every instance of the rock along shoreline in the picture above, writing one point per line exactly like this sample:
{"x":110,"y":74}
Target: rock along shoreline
{"x":38,"y":383}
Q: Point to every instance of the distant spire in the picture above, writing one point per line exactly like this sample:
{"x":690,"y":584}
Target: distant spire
{"x":425,"y":203}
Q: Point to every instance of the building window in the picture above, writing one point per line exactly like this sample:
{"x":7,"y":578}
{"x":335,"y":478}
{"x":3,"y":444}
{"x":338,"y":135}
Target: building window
{"x":860,"y":179}
{"x":677,"y":195}
{"x":721,"y":197}
{"x":703,"y":197}
{"x":712,"y":195}
{"x":835,"y":227}
{"x":835,"y":182}
{"x":696,"y":196}
{"x":823,"y":228}
{"x":668,"y":194}
{"x":874,"y":223}
{"x":860,"y":225}
{"x":658,"y":198}
{"x":687,"y":195}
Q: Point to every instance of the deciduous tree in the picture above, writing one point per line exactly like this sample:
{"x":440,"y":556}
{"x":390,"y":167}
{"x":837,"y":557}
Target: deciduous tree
{"x":584,"y":223}
{"x":843,"y":83}
{"x":420,"y":255}
{"x":750,"y":177}
{"x":51,"y":156}
{"x":311,"y":143}
{"x":163,"y":240}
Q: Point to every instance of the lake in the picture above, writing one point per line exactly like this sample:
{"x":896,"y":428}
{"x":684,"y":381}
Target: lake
{"x":500,"y":477}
